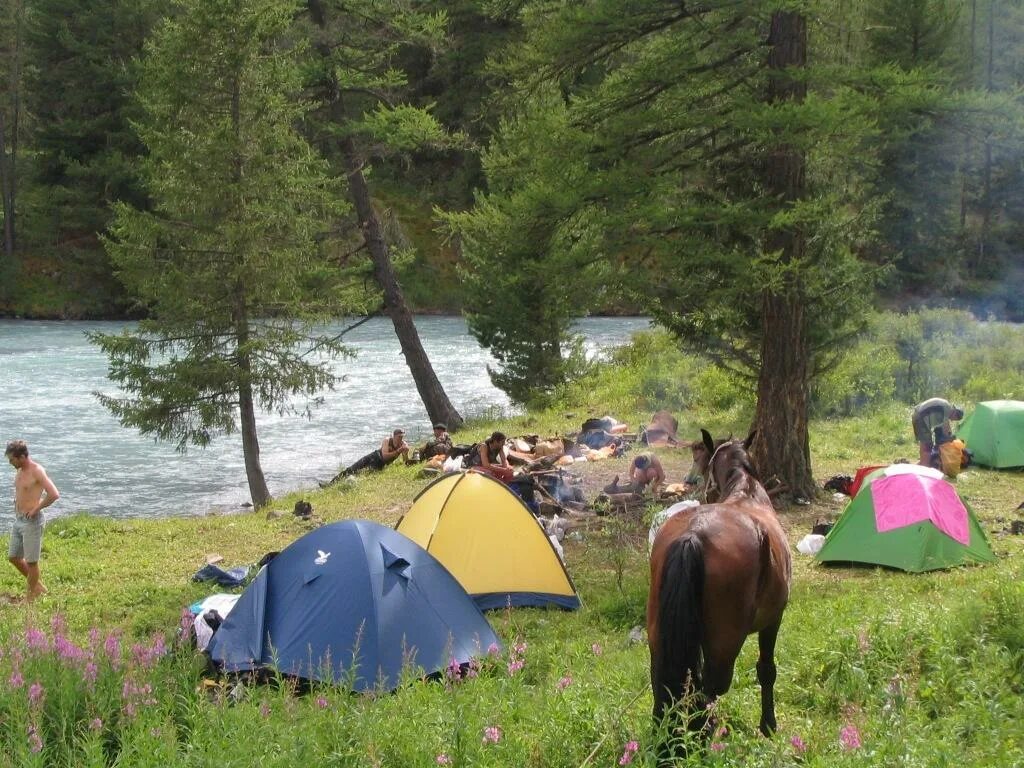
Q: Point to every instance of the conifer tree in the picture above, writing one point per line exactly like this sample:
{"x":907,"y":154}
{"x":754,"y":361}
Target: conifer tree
{"x":725,"y":177}
{"x":79,"y":85}
{"x":226,"y":263}
{"x":360,"y":117}
{"x":12,"y":26}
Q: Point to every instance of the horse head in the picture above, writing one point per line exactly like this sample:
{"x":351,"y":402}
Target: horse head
{"x":724,"y":463}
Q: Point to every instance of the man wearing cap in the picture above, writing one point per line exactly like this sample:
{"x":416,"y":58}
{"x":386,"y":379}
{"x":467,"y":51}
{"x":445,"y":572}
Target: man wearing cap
{"x":439,"y":444}
{"x":389,"y":450}
{"x":929,"y":416}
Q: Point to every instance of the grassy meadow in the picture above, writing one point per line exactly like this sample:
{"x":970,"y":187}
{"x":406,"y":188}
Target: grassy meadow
{"x":876,"y":667}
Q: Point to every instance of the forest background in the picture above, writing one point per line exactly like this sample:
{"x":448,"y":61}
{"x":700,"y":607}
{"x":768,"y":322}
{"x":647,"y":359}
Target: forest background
{"x":945,"y":174}
{"x":755,"y":176}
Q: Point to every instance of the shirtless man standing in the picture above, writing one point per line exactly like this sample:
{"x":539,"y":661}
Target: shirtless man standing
{"x":33,"y":492}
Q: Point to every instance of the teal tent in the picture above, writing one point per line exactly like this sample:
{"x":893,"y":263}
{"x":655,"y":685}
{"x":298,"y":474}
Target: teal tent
{"x":994,"y":433}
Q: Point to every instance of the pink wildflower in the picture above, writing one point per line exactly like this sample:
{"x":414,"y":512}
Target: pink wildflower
{"x":798,"y":745}
{"x":57,"y":623}
{"x":493,"y":649}
{"x":264,"y":710}
{"x":453,"y":671}
{"x":598,"y":650}
{"x":16,"y":680}
{"x":514,"y":666}
{"x":628,"y":752}
{"x":849,"y":737}
{"x":443,"y":759}
{"x":36,"y":639}
{"x":321,"y":702}
{"x":564,"y":683}
{"x":95,"y":724}
{"x":112,"y":647}
{"x":492,"y":734}
{"x":474,"y":669}
{"x":717,"y":746}
{"x":34,"y":741}
{"x":90,"y":672}
{"x":36,"y":693}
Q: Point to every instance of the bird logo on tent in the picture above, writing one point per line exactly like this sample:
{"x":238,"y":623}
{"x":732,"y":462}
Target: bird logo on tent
{"x":322,"y":559}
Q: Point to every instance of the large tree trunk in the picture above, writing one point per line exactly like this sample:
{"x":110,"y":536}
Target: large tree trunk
{"x":247,"y":415}
{"x":782,"y":446}
{"x":240,"y":316}
{"x":435,"y":399}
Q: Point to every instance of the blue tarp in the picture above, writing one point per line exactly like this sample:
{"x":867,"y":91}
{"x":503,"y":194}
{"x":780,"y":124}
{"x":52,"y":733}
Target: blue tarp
{"x":352,"y":602}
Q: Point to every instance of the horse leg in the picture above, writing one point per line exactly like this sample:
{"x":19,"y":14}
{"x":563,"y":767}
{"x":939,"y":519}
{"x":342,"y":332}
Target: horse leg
{"x":718,"y":673}
{"x":766,"y":674}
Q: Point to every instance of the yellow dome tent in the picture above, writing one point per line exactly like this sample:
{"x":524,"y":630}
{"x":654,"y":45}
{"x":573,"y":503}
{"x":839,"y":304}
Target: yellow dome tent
{"x":490,"y":542}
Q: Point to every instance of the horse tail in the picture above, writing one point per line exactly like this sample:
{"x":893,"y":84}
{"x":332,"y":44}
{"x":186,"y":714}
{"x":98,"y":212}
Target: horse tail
{"x":680,"y":618}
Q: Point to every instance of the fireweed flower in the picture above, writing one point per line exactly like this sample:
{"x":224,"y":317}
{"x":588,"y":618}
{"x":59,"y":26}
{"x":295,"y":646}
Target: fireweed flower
{"x":112,"y":647}
{"x":36,"y":640}
{"x":453,"y":672}
{"x":564,"y":683}
{"x":798,"y":745}
{"x":597,"y":649}
{"x":16,"y":680}
{"x":628,"y":752}
{"x":321,"y":702}
{"x":849,"y":737}
{"x":35,"y":743}
{"x":473,"y":669}
{"x":717,"y":746}
{"x":443,"y":759}
{"x":36,"y":694}
{"x":95,"y":724}
{"x":492,"y":734}
{"x":493,"y":649}
{"x":90,"y":672}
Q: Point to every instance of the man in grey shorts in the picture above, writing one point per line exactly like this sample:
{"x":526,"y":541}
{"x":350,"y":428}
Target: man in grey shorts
{"x":33,"y":492}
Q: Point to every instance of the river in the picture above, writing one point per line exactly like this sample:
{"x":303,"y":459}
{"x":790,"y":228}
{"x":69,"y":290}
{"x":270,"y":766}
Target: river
{"x":49,"y":372}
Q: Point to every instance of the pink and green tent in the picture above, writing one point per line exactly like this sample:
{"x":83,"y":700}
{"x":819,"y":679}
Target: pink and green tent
{"x":908,"y":517}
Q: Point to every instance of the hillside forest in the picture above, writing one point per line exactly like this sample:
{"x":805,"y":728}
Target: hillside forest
{"x":755,"y":176}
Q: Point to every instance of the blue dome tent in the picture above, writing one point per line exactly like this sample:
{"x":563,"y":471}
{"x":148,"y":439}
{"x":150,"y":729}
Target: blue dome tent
{"x":352,"y":602}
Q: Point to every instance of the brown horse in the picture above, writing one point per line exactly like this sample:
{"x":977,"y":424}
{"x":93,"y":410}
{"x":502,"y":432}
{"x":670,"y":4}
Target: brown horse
{"x":719,"y":572}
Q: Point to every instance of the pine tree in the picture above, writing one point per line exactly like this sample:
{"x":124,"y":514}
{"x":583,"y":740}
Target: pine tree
{"x":361,"y":116}
{"x":226,"y":263}
{"x":12,"y":25}
{"x":78,"y":91}
{"x":728,"y":181}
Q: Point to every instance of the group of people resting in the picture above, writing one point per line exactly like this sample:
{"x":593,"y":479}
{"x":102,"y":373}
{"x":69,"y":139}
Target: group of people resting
{"x":489,"y":455}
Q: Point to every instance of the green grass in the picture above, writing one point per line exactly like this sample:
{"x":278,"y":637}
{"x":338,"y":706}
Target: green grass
{"x":929,"y":669}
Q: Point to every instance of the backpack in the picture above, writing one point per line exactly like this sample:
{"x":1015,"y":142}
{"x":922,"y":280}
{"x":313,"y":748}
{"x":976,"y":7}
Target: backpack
{"x":951,"y":456}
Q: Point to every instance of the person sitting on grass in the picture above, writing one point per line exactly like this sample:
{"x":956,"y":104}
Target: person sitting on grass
{"x":390,"y":449}
{"x":489,"y":456}
{"x":439,"y":444}
{"x":646,"y":472}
